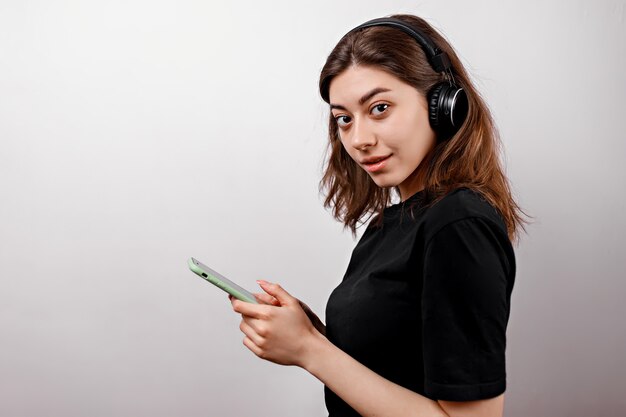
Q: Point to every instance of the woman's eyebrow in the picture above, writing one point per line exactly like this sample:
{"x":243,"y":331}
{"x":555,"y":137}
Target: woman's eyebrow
{"x":363,"y":99}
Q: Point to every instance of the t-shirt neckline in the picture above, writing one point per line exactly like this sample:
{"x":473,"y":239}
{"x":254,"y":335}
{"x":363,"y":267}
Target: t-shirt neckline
{"x":416,"y":196}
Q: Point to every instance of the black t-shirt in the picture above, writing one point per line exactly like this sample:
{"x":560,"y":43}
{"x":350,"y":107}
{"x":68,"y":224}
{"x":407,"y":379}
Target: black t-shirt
{"x":425,"y":301}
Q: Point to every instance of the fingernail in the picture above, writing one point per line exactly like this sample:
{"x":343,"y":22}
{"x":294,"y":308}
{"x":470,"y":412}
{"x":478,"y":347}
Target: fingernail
{"x":261,"y":282}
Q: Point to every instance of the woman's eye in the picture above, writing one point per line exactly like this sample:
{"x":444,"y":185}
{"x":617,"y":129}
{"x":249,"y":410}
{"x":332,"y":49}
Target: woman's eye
{"x":380,"y":107}
{"x":338,"y":118}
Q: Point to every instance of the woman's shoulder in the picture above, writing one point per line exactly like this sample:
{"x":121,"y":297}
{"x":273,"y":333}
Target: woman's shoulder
{"x":461,"y":204}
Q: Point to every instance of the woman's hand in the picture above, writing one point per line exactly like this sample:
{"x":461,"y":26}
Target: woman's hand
{"x":279,"y":331}
{"x":317,"y":323}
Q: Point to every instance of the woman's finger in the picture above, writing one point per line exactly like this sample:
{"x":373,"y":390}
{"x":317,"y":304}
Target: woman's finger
{"x":254,"y":325}
{"x":277,"y":291}
{"x":250,"y":332}
{"x":266,"y":299}
{"x":250,"y":345}
{"x":257,"y":311}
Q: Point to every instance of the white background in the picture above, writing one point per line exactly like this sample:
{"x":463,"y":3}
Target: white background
{"x":135,"y":134}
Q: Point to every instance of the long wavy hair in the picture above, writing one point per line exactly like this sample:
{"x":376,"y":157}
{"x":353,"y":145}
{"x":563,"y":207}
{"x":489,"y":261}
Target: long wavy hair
{"x":470,"y":158}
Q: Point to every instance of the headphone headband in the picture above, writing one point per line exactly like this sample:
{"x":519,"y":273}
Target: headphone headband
{"x":437,"y":58}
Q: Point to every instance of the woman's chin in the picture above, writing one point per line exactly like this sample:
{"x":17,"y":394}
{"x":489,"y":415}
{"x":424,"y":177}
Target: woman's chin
{"x":384,"y":181}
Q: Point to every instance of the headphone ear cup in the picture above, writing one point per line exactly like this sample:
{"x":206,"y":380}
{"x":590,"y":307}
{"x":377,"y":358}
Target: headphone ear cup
{"x":447,"y":109}
{"x":458,"y":107}
{"x":433,"y":106}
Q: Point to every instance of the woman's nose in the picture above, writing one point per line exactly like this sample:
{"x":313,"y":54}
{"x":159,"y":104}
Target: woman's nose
{"x":362,"y":136}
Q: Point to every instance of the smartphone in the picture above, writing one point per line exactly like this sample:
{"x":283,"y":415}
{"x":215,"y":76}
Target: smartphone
{"x":220,"y":281}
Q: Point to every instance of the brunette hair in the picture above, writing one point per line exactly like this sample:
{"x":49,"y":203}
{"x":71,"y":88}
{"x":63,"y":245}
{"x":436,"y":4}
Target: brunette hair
{"x":470,"y":158}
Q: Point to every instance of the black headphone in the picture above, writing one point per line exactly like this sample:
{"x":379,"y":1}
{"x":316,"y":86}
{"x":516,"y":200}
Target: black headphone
{"x":447,"y":103}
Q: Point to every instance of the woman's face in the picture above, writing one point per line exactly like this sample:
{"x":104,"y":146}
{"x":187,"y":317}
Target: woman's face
{"x":378,"y":115}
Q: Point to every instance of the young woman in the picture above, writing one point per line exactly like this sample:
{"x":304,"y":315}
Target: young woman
{"x":417,"y":327}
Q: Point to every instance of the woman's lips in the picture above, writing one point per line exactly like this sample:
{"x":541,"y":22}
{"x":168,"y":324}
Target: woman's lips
{"x":377,"y":165}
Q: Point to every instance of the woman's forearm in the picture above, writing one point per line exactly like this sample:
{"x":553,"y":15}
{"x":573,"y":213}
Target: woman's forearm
{"x":368,"y":393}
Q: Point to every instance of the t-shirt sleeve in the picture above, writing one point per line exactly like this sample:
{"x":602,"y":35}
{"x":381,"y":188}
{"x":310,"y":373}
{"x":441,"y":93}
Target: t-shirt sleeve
{"x":465,"y":310}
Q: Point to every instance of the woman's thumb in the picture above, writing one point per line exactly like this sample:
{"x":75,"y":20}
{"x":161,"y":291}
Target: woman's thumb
{"x":276,"y":291}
